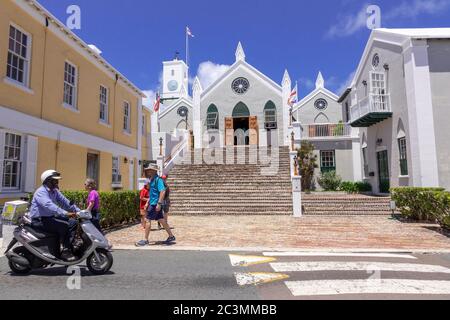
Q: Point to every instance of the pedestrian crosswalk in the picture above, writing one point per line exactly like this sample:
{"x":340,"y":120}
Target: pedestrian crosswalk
{"x":315,"y":274}
{"x":369,"y":286}
{"x":311,"y":266}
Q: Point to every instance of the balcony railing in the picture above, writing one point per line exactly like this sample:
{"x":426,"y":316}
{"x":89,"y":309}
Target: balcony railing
{"x":318,"y":131}
{"x":370,"y":110}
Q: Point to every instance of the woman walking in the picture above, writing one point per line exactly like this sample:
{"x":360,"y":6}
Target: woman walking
{"x":93,"y":202}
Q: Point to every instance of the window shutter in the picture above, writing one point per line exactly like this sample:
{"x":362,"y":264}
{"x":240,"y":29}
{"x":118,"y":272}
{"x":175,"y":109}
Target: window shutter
{"x":31,"y":164}
{"x":2,"y":151}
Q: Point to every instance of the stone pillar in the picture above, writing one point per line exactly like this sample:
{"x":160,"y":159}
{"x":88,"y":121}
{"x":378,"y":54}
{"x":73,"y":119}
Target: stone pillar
{"x":297,"y":129}
{"x":297,"y":196}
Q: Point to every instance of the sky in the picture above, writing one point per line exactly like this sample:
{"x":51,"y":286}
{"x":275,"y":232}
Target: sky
{"x":304,"y":37}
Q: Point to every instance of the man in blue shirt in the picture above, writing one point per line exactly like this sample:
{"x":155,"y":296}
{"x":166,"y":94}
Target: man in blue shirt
{"x":157,"y":192}
{"x":51,"y":212}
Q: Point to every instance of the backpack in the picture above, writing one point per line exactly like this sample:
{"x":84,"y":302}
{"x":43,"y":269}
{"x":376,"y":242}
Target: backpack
{"x":166,"y":197}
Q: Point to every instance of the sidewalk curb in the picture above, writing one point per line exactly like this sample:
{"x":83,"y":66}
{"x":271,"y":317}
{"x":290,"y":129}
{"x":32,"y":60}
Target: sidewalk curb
{"x":264,"y":249}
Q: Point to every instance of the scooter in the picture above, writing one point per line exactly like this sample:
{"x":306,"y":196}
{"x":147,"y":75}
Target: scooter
{"x":38,"y":250}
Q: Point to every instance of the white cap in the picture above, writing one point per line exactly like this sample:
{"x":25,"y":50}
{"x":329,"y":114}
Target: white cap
{"x":50,"y":174}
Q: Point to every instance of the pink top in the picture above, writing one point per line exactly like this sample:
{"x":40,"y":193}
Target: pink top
{"x":95,"y":198}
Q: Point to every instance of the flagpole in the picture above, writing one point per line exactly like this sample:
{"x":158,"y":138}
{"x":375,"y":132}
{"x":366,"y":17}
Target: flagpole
{"x":187,"y":47}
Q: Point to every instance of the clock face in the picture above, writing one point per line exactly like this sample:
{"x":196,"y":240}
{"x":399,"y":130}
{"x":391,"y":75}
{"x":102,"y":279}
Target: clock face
{"x":172,"y":85}
{"x":240,"y":85}
{"x":321,"y":104}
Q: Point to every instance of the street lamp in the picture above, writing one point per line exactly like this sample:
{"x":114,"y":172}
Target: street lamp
{"x":393,"y":206}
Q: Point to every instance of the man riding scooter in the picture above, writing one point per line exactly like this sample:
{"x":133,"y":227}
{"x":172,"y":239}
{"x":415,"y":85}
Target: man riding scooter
{"x":52,"y":212}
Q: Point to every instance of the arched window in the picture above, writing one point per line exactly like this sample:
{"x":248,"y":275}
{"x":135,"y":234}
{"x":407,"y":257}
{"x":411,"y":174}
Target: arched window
{"x":270,"y":115}
{"x":241,"y":111}
{"x":212,"y":118}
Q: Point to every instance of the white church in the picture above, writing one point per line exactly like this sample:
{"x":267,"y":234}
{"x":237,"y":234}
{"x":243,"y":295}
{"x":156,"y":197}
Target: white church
{"x":244,"y":107}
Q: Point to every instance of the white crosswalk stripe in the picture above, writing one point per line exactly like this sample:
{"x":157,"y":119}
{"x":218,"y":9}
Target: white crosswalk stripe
{"x":382,"y":286}
{"x":338,"y":254}
{"x":355,"y":266}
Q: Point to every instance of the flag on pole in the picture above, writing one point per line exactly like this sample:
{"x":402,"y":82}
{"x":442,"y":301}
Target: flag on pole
{"x":157,"y":103}
{"x":189,"y":32}
{"x":293,"y":98}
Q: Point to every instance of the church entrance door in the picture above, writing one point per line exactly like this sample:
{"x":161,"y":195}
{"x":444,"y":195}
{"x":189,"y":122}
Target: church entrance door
{"x":241,"y":131}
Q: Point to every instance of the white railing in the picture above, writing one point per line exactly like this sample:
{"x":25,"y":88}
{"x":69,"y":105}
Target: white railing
{"x":374,"y":103}
{"x":332,"y":130}
{"x":178,"y":151}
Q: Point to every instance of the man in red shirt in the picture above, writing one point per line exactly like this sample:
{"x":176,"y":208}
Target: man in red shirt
{"x":144,"y":197}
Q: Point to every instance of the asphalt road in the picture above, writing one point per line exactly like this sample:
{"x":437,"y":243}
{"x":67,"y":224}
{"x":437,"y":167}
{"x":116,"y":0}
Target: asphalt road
{"x":186,"y":275}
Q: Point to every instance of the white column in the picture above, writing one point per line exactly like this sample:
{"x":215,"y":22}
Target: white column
{"x":297,"y":196}
{"x":154,"y":118}
{"x":160,"y":163}
{"x":286,"y":92}
{"x":420,"y":115}
{"x":357,"y":160}
{"x":297,"y":129}
{"x":197,"y":124}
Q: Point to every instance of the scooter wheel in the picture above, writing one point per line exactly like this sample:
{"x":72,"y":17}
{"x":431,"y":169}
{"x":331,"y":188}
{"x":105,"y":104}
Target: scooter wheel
{"x":18,"y":269}
{"x":100,"y":267}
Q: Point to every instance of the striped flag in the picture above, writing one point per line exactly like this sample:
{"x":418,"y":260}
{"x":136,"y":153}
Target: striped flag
{"x":293,"y":98}
{"x":157,"y":103}
{"x":189,"y":32}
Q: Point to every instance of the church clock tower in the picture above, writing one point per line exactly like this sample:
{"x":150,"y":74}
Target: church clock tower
{"x":175,"y":80}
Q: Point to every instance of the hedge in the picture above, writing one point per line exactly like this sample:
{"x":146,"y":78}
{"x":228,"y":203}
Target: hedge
{"x":355,"y":187}
{"x":116,"y":208}
{"x":423,"y":204}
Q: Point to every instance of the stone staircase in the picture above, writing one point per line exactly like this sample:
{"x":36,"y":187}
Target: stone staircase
{"x":240,"y":186}
{"x":336,"y":204}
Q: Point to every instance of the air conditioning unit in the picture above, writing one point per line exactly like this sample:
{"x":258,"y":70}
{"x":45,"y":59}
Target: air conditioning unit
{"x":271,"y":125}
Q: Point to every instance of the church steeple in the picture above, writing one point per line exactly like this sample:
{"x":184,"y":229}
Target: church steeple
{"x":240,"y":54}
{"x":320,"y":82}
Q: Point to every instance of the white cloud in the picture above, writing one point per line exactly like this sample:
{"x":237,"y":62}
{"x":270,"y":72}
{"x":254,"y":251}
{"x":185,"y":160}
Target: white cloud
{"x":352,"y":23}
{"x":150,"y":100}
{"x":349,"y":24}
{"x":208,"y":72}
{"x":412,"y":9}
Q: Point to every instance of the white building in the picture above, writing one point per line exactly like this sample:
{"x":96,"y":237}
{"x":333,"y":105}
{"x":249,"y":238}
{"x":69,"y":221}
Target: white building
{"x":400,"y":97}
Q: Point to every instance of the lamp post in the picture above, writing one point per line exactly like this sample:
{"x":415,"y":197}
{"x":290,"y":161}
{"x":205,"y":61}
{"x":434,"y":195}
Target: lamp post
{"x":393,"y":206}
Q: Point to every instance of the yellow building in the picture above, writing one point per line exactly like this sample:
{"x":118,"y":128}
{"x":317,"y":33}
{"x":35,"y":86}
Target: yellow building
{"x":63,"y":107}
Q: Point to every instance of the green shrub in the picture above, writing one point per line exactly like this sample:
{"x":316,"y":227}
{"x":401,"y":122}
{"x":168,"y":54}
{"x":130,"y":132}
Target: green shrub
{"x":355,"y":187}
{"x":116,"y":208}
{"x":423,"y":204}
{"x":329,"y":181}
{"x":349,"y":187}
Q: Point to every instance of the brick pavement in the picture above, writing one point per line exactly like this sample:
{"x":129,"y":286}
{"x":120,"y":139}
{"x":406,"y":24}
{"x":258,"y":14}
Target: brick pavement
{"x":283,"y":232}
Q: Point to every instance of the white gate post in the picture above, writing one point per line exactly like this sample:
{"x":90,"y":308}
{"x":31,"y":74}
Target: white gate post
{"x":297,"y":196}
